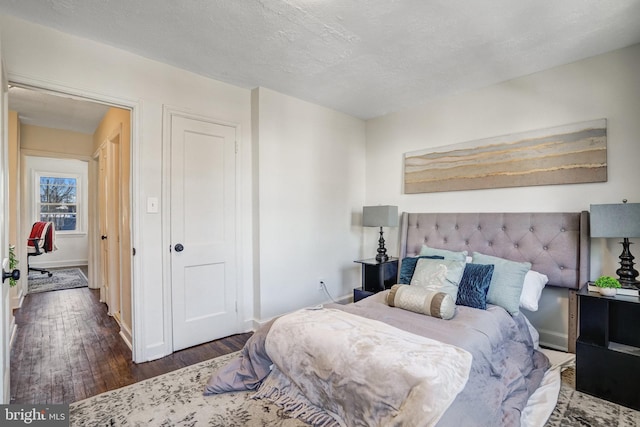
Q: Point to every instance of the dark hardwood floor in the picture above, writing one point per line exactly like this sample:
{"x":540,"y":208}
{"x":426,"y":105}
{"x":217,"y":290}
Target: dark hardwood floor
{"x":67,"y":348}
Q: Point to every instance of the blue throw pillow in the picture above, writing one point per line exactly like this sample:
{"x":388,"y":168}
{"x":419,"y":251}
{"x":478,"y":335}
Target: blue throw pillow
{"x":408,"y":266}
{"x":474,"y":285}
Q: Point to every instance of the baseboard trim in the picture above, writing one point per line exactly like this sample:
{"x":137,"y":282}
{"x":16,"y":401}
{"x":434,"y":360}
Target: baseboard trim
{"x":255,"y":324}
{"x":13,"y":328}
{"x":154,"y":352}
{"x":554,"y":340}
{"x":126,"y":337}
{"x":60,"y":264}
{"x":16,"y":301}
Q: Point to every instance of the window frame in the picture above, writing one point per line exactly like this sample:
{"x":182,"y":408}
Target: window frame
{"x":80,"y":205}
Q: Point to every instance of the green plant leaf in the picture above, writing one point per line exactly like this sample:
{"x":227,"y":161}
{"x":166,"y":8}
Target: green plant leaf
{"x":607,"y":282}
{"x":13,"y":263}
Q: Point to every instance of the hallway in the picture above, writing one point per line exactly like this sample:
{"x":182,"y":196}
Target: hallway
{"x":67,"y":348}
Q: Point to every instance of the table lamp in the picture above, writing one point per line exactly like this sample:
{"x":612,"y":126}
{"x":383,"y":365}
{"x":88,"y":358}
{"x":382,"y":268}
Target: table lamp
{"x":380,"y":216}
{"x":620,"y":220}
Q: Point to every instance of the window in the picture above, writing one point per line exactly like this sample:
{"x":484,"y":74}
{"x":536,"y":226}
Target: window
{"x":59,"y":202}
{"x":58,"y":193}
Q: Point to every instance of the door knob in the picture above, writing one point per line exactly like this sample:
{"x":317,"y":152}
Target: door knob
{"x":179,"y":247}
{"x":103,"y":237}
{"x":15,"y":275}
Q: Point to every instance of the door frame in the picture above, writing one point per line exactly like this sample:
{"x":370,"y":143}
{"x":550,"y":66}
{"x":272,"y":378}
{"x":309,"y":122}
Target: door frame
{"x":137,"y":291}
{"x":95,"y":250}
{"x":113,"y":225}
{"x":6,"y":315}
{"x":167,"y":113}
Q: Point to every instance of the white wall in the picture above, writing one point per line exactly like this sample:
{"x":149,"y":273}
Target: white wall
{"x":72,"y":247}
{"x":311,"y":190}
{"x":308,"y":174}
{"x":606,"y":86}
{"x":39,"y":56}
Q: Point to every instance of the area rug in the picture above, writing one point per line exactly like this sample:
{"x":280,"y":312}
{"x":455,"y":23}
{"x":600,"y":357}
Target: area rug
{"x":576,"y":409}
{"x":175,"y":399}
{"x":63,"y":278}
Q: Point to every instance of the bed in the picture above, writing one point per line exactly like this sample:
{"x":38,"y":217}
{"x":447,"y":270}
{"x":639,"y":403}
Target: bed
{"x":556,"y":244}
{"x":373,"y":363}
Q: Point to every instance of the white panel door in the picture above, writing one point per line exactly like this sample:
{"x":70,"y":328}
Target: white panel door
{"x":5,"y":316}
{"x":203,"y":230}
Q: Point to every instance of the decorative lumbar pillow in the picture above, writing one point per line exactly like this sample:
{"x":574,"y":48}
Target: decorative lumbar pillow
{"x":534,"y":283}
{"x":440,"y":275}
{"x":474,"y":285}
{"x":507,"y":281}
{"x":458,"y":256}
{"x":422,"y":300}
{"x":408,"y":266}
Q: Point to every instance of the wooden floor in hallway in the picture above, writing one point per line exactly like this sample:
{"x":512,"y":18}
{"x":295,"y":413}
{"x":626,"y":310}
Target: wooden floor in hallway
{"x":67,"y":348}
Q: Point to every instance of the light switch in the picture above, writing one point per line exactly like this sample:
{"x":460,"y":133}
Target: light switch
{"x":152,"y":205}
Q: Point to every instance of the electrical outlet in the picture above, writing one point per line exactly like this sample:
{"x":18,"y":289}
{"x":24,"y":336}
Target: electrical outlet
{"x":320,"y":283}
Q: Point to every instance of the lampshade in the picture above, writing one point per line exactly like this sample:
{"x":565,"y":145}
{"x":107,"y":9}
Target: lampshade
{"x":615,"y":220}
{"x":380,"y":216}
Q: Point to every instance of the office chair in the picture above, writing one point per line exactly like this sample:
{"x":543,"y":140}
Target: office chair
{"x":41,"y":241}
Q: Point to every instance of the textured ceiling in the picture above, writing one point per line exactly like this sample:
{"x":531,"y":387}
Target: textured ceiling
{"x":364,"y":57}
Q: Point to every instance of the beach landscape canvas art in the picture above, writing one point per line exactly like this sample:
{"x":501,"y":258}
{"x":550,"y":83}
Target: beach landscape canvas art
{"x":569,"y":154}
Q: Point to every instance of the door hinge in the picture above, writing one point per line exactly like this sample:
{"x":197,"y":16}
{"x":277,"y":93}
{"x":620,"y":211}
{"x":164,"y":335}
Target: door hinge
{"x":236,"y":306}
{"x":133,"y":250}
{"x":236,"y":147}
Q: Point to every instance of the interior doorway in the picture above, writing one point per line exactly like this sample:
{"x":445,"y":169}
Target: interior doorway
{"x":58,"y":126}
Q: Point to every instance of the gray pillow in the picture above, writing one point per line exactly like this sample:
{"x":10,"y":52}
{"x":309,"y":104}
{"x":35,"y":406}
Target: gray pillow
{"x":506,"y":282}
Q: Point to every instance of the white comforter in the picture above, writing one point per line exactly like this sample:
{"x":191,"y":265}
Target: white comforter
{"x":389,"y":377}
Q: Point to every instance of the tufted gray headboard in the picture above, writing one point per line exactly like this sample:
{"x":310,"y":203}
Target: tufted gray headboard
{"x":556,"y":244}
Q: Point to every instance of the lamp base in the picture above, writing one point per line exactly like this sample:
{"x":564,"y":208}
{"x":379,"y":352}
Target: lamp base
{"x":382,"y":251}
{"x":382,"y":258}
{"x":626,"y":273}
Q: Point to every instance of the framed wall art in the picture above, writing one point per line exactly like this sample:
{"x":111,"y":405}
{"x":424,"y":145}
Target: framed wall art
{"x":570,"y":154}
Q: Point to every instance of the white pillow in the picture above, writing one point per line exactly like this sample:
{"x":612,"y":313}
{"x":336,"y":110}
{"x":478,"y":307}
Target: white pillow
{"x":534,"y":283}
{"x":438,"y":275}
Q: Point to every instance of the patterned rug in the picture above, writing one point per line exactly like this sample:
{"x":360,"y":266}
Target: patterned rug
{"x":175,"y":399}
{"x":63,"y":278}
{"x":576,"y":409}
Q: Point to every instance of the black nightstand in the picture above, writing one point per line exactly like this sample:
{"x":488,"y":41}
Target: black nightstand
{"x":359,"y":294}
{"x":378,"y":276}
{"x":608,"y":347}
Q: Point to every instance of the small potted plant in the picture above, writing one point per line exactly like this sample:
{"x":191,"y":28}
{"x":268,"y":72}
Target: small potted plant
{"x":607,"y":285}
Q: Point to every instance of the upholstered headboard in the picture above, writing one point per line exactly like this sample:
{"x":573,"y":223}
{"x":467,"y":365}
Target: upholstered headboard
{"x":556,"y":244}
